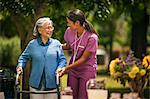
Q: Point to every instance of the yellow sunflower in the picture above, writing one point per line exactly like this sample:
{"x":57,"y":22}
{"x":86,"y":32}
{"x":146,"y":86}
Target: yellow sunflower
{"x":142,"y":72}
{"x":135,"y":69}
{"x":112,"y":66}
{"x":146,"y":62}
{"x":131,"y":75}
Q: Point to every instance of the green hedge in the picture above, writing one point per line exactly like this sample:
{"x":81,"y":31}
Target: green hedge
{"x":9,"y":51}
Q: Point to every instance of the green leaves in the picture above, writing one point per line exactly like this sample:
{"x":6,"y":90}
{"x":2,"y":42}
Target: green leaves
{"x":9,"y":51}
{"x":17,"y":6}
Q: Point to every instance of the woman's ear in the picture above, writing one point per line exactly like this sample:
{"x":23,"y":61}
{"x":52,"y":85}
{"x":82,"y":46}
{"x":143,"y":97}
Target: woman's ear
{"x":77,"y":23}
{"x":39,"y":30}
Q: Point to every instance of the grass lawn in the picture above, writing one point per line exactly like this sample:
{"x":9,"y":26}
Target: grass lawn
{"x":109,"y":82}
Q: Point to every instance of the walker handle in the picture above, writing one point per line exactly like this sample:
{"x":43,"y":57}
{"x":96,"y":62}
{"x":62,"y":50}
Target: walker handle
{"x":17,"y":80}
{"x":57,"y":78}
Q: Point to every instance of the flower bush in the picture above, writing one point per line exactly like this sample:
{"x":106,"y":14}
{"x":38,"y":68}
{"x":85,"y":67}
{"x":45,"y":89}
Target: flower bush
{"x":131,"y":69}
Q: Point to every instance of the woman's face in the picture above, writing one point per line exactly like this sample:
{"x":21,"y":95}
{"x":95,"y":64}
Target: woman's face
{"x":46,"y":30}
{"x":71,"y":24}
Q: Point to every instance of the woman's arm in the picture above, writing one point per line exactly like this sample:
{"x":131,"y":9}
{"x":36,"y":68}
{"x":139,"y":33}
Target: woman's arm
{"x":80,"y":61}
{"x":61,"y":58}
{"x":24,"y":57}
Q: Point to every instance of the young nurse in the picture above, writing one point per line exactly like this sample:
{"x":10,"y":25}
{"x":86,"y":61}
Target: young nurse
{"x":81,"y":38}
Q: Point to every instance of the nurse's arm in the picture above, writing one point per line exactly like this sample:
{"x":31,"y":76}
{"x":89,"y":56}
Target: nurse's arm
{"x":80,"y":61}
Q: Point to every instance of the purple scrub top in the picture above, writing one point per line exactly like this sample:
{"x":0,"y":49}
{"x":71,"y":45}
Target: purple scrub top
{"x":89,"y":43}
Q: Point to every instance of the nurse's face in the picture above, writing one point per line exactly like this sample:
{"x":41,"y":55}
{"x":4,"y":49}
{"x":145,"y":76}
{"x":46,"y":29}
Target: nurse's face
{"x":71,"y":24}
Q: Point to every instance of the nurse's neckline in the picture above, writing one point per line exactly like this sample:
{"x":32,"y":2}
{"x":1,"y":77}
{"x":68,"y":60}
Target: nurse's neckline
{"x":80,"y":33}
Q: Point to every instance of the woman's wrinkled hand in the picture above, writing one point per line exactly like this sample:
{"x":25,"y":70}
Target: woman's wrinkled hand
{"x":19,"y":70}
{"x":61,"y":71}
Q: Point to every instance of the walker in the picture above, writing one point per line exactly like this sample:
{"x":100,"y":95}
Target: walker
{"x":18,"y":87}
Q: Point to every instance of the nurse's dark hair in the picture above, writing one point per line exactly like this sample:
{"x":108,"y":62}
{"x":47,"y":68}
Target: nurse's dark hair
{"x":78,"y":15}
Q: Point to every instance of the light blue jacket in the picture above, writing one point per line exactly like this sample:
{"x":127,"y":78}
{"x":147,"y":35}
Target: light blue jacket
{"x":45,"y":57}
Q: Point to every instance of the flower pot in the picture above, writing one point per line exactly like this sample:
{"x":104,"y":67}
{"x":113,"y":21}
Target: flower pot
{"x":137,"y":87}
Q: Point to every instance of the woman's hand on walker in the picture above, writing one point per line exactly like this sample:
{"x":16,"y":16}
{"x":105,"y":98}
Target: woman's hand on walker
{"x":61,"y":71}
{"x":19,"y":70}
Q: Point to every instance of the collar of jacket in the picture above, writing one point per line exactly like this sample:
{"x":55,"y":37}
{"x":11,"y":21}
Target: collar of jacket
{"x":41,"y":43}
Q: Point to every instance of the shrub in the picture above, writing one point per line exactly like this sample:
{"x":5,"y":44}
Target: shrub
{"x":9,"y":51}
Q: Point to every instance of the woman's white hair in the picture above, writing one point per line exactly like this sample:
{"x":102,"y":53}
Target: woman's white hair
{"x":39,"y":23}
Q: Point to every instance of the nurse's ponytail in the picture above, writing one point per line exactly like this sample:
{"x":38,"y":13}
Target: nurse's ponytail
{"x":88,"y":26}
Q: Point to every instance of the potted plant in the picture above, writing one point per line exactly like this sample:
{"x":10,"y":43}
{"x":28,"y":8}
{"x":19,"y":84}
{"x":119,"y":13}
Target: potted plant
{"x":132,"y":70}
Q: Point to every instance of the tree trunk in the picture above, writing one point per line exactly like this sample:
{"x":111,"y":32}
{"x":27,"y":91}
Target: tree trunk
{"x":140,"y":22}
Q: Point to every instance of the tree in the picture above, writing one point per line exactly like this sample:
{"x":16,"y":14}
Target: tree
{"x":138,"y":10}
{"x":140,"y":22}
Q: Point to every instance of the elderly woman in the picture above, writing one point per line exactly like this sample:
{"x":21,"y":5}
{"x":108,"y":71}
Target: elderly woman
{"x":47,"y":57}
